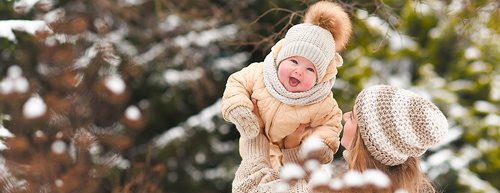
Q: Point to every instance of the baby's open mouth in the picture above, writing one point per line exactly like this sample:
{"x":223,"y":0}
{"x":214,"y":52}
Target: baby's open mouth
{"x":294,"y":82}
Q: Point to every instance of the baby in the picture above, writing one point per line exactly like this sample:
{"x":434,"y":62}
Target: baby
{"x":292,"y":86}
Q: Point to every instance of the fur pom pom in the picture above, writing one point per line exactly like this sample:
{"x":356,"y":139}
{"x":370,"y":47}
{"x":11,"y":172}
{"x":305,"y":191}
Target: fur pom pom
{"x":332,"y":17}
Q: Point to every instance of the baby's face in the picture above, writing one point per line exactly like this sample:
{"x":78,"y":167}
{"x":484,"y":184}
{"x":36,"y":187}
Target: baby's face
{"x":297,"y":74}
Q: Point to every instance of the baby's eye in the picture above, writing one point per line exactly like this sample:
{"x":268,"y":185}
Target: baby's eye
{"x":310,"y":69}
{"x":294,"y":61}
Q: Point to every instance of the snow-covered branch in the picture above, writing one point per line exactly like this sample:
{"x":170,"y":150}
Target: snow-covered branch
{"x":32,"y":27}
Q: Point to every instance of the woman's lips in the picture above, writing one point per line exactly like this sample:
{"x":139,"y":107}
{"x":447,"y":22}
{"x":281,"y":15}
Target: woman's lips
{"x":293,"y":81}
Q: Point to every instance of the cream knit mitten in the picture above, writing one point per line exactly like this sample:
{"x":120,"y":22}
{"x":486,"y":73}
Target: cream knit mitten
{"x":246,"y":122}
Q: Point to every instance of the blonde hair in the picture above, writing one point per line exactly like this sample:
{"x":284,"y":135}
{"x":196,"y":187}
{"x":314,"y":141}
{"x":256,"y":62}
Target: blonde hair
{"x":406,"y":176}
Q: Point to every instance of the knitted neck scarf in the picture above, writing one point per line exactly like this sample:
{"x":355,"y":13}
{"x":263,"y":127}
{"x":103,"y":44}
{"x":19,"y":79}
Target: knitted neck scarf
{"x":317,"y":93}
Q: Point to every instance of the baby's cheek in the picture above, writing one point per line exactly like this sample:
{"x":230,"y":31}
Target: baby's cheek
{"x":309,"y":84}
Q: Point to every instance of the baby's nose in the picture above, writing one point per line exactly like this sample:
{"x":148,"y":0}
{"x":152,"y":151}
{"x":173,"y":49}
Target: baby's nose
{"x":299,"y":71}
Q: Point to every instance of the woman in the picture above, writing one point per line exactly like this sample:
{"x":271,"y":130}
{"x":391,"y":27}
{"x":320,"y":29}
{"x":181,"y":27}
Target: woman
{"x":388,"y":130}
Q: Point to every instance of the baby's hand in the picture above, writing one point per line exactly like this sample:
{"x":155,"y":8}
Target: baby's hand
{"x":293,"y":140}
{"x":246,"y":122}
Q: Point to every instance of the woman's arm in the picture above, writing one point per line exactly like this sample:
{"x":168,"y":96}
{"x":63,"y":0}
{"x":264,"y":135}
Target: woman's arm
{"x":255,"y":173}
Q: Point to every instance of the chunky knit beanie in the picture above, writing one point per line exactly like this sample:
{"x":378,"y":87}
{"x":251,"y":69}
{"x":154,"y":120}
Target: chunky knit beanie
{"x":326,"y":29}
{"x":396,"y":124}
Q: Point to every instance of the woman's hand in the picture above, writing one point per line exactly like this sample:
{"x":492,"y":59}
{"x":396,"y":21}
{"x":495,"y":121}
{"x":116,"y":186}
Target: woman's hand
{"x":295,"y":139}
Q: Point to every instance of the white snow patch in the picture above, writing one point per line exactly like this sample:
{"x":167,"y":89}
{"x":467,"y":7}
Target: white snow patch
{"x":457,"y":111}
{"x":492,"y":120}
{"x":133,"y":113}
{"x":336,"y":184}
{"x":232,"y":62}
{"x":495,"y":88}
{"x":34,"y":108}
{"x":129,"y":3}
{"x":151,"y":54}
{"x":400,"y":190}
{"x":115,"y":160}
{"x":281,"y":187}
{"x":310,"y":145}
{"x":200,"y":158}
{"x":14,"y":82}
{"x":170,"y":23}
{"x":312,"y":164}
{"x":291,"y":171}
{"x":14,"y":71}
{"x":376,"y":178}
{"x":59,"y":183}
{"x":472,"y":53}
{"x":5,"y":133}
{"x":206,"y":37}
{"x":28,"y":26}
{"x":175,"y":77}
{"x":24,"y":6}
{"x":115,"y":84}
{"x":422,"y":8}
{"x":170,"y":135}
{"x":439,"y":157}
{"x":320,"y":177}
{"x":353,"y":178}
{"x":54,"y":15}
{"x":39,"y":134}
{"x":361,"y":14}
{"x":203,"y":119}
{"x":486,"y":107}
{"x":455,"y":6}
{"x":58,"y":147}
{"x":465,"y":176}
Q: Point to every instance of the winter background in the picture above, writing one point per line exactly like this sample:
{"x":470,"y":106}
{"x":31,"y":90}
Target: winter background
{"x":124,"y":95}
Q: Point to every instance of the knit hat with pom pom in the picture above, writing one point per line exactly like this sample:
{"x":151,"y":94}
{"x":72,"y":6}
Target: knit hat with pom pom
{"x":325,"y":31}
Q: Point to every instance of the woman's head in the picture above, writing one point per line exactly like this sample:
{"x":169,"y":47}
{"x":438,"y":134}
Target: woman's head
{"x":396,"y":124}
{"x":388,"y":129}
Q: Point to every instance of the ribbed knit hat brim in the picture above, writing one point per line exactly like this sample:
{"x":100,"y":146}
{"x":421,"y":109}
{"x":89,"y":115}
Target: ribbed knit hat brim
{"x":396,"y":124}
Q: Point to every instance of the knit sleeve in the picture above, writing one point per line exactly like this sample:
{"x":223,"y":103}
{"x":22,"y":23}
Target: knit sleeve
{"x":292,"y":155}
{"x":239,"y":90}
{"x":255,"y":173}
